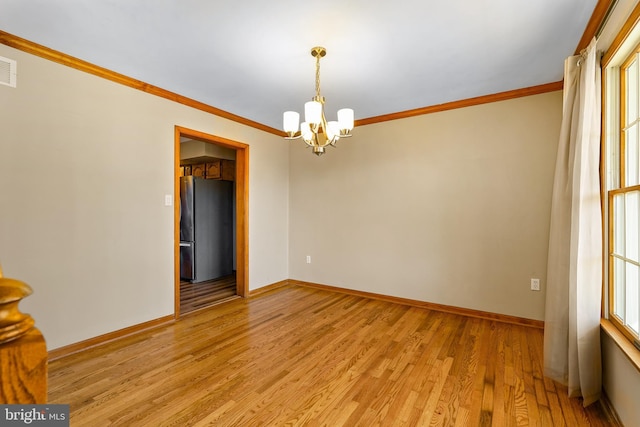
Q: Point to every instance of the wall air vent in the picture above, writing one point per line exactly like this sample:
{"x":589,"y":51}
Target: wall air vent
{"x":8,"y":71}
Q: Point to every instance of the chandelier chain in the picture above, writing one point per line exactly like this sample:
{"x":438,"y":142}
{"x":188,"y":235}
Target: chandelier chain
{"x":318,"y":75}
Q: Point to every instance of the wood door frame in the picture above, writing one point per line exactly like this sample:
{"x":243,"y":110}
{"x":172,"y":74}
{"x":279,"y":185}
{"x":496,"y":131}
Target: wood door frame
{"x":242,"y":207}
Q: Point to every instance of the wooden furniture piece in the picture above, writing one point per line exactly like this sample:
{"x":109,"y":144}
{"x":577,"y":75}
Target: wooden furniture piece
{"x":23,"y":369}
{"x":23,"y":352}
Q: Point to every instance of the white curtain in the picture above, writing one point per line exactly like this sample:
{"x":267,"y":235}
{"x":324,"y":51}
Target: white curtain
{"x":574,"y":269}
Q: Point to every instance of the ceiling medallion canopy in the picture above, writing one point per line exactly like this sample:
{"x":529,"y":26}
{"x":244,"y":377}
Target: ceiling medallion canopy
{"x":315,"y":131}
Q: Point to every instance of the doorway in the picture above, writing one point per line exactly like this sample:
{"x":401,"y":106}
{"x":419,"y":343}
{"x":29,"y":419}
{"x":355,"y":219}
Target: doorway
{"x":241,"y":210}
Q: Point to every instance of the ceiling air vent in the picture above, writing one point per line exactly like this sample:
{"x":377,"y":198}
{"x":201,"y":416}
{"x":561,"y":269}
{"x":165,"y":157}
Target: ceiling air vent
{"x":8,"y":71}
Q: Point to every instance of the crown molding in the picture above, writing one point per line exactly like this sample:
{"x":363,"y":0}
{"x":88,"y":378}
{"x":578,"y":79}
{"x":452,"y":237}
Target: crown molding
{"x":501,"y":96}
{"x":79,"y":64}
{"x":73,"y":62}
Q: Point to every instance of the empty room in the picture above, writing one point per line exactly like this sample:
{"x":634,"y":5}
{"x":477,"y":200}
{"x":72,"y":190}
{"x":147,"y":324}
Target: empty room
{"x":321,"y":213}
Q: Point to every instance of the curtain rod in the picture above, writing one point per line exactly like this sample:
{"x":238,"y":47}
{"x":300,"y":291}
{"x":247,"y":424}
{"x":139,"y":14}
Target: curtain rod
{"x":606,"y":17}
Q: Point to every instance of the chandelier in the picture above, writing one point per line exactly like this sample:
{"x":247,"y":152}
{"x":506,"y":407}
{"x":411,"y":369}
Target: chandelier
{"x":315,"y":131}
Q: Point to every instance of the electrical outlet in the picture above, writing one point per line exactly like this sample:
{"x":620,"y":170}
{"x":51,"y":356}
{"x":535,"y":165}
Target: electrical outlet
{"x":308,"y":259}
{"x":535,"y":284}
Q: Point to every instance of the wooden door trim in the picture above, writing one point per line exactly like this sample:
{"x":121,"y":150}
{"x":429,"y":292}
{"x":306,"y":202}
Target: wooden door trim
{"x":242,"y":208}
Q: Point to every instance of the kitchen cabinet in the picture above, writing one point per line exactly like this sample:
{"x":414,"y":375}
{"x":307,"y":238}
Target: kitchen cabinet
{"x":198,"y":170}
{"x":222,"y":169}
{"x":212,"y":170}
{"x":228,"y":170}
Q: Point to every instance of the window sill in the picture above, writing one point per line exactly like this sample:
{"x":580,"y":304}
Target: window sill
{"x":627,"y":347}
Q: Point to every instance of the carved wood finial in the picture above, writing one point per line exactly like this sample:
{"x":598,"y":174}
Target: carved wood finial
{"x":13,"y":323}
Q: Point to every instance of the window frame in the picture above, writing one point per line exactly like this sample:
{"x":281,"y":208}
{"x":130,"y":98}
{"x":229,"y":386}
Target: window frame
{"x":613,"y":317}
{"x":616,"y":183}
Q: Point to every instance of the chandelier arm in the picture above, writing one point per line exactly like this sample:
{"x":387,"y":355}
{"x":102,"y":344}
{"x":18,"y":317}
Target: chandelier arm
{"x":325,"y":135}
{"x":314,"y":141}
{"x":315,"y":128}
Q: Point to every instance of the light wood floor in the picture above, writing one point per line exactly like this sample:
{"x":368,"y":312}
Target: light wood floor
{"x":195,"y":296}
{"x":301,"y":356}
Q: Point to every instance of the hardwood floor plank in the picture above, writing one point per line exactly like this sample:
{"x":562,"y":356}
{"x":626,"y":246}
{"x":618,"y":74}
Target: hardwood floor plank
{"x":462,"y":419}
{"x":306,"y":356}
{"x":499,"y":377}
{"x":196,"y":296}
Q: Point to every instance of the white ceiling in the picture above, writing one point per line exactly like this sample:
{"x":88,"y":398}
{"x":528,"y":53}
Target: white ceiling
{"x":251,"y":57}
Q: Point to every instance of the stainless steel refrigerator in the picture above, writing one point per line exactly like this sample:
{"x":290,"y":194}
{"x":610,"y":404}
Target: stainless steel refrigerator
{"x":206,"y":229}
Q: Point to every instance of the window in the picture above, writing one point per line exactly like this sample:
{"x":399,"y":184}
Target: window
{"x":624,"y":205}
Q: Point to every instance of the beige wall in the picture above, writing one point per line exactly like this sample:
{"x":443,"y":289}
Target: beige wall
{"x":84,"y":167}
{"x":621,"y":381}
{"x":451,"y":208}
